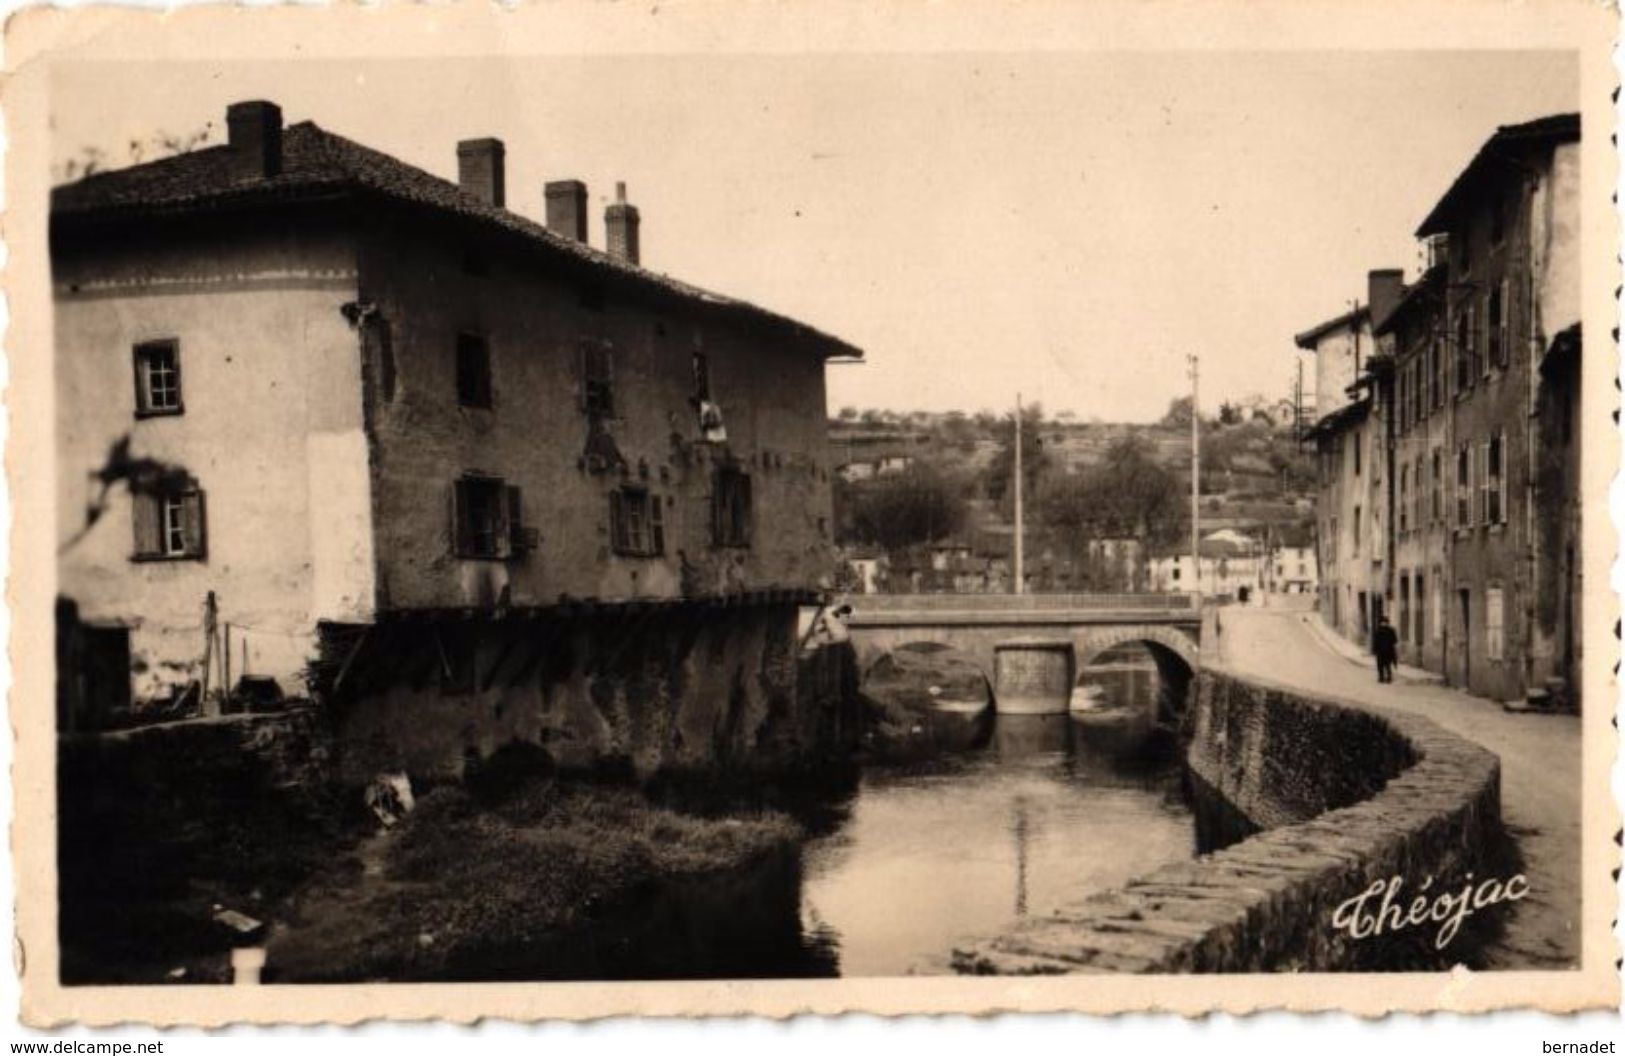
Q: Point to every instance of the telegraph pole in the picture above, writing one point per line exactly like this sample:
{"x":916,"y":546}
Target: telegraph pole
{"x":1196,"y":472}
{"x":1020,"y":577}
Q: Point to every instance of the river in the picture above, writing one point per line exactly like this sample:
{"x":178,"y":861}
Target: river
{"x":1049,"y":810}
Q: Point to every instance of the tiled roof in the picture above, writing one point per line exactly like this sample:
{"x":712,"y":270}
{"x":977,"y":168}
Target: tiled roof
{"x":1309,"y":338}
{"x":1345,"y":416}
{"x":1500,"y":148}
{"x":316,"y":162}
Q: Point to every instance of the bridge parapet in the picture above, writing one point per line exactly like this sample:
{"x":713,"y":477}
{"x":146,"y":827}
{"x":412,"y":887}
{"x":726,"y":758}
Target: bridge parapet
{"x":1022,"y":602}
{"x":985,"y":610}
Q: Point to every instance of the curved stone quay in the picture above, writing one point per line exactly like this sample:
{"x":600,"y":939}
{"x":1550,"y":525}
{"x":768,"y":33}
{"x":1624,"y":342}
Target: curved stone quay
{"x":1344,"y":797}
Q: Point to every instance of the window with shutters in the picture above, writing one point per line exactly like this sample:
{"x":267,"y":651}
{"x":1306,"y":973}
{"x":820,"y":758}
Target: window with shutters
{"x":597,"y":380}
{"x":1464,"y":486}
{"x":488,"y":520}
{"x":1466,"y":350}
{"x":730,"y":508}
{"x":473,"y":371}
{"x":169,"y":524}
{"x":637,"y":522}
{"x":1494,"y":616}
{"x":157,"y":379}
{"x":1404,"y":498}
{"x":1436,"y":494}
{"x":1436,"y":606}
{"x":1495,"y":479}
{"x":1441,"y":374}
{"x":1495,"y":327}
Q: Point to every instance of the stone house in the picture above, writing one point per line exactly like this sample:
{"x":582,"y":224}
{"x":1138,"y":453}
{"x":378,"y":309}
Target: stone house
{"x":1510,"y":222}
{"x":1347,"y":435}
{"x":1467,"y":417}
{"x":446,"y":462}
{"x":1420,"y":455}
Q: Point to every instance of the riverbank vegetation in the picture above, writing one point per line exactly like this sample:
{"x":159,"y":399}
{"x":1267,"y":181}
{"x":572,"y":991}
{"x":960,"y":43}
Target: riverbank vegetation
{"x":463,"y":877}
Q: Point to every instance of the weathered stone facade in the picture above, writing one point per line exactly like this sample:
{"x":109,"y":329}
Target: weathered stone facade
{"x":1470,"y":512}
{"x":397,"y":395}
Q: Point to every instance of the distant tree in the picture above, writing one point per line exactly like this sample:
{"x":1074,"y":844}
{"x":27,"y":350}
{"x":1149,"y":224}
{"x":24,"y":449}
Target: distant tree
{"x":1179,"y":413}
{"x":1229,"y":413}
{"x":848,"y":414}
{"x":1128,"y":495}
{"x":919,"y":505}
{"x":1035,"y":460}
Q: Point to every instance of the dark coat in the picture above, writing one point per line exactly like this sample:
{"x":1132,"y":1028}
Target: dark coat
{"x":1385,"y":642}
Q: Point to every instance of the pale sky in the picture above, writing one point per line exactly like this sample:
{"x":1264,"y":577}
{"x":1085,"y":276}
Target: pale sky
{"x":1068,"y":225}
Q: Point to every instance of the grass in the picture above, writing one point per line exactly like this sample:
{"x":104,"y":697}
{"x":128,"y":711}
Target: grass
{"x":461,"y":878}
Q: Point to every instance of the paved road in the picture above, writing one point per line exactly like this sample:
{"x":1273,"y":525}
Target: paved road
{"x":1540,"y":767}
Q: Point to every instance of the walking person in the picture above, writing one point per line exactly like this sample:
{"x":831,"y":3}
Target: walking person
{"x":1385,"y":644}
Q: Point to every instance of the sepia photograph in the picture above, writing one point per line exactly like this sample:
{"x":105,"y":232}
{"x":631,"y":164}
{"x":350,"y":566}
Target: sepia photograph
{"x":973,"y":518}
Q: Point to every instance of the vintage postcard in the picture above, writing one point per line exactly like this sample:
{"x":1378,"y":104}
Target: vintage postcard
{"x":715,"y":509}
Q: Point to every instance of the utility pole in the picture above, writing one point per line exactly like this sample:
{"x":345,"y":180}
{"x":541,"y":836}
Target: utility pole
{"x":1020,"y":576}
{"x":1196,"y":494}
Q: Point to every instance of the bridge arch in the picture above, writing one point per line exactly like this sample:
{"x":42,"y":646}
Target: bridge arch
{"x":1177,"y":658}
{"x":974,"y":674}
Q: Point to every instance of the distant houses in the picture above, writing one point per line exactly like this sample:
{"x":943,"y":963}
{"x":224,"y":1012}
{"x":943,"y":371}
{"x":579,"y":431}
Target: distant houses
{"x":1447,"y":433}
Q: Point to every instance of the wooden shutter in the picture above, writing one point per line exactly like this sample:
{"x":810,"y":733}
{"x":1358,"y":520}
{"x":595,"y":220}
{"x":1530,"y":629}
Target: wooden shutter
{"x":145,"y":514}
{"x":194,"y":524}
{"x":516,"y":520}
{"x":657,"y":526}
{"x":617,"y":520}
{"x":461,"y":543}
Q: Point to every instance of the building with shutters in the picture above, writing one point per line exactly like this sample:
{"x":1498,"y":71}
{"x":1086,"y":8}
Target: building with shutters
{"x":415,"y":444}
{"x":1467,"y":417}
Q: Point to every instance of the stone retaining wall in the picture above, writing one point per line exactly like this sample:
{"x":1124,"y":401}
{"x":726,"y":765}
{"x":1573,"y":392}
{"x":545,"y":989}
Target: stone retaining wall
{"x":1346,"y":796}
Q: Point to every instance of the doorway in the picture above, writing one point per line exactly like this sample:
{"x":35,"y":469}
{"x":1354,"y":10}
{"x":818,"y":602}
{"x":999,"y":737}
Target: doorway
{"x":1465,"y":598}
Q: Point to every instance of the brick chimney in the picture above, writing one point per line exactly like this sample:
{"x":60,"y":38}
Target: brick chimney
{"x":621,"y":227}
{"x":1384,"y":287}
{"x":567,"y":209}
{"x":254,"y":131}
{"x":480,"y":170}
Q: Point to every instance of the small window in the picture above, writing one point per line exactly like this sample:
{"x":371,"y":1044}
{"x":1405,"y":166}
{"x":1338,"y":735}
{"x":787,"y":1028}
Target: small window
{"x":473,"y":371}
{"x":597,"y":380}
{"x":169,"y":524}
{"x":157,"y":378}
{"x":637,"y":523}
{"x":731,"y":508}
{"x":488,"y":519}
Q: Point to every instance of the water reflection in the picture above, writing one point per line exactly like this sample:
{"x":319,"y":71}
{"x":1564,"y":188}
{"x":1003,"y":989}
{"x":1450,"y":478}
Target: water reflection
{"x":1055,"y":808}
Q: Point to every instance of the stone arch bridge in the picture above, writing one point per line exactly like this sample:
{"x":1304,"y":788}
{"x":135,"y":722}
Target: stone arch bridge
{"x":1168,"y":625}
